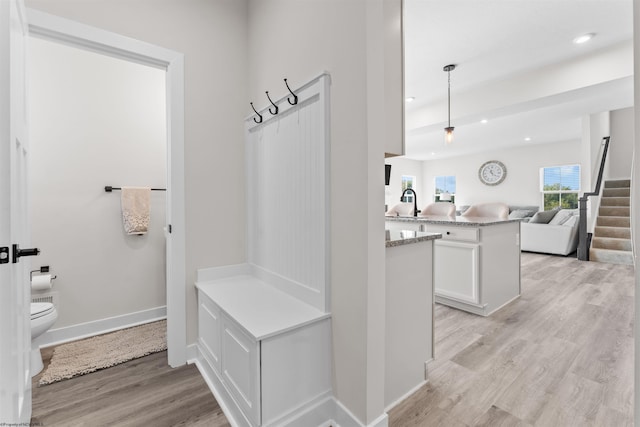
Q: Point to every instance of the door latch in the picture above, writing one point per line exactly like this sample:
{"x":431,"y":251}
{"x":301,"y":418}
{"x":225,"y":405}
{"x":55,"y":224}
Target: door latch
{"x":17,"y":252}
{"x":4,"y":255}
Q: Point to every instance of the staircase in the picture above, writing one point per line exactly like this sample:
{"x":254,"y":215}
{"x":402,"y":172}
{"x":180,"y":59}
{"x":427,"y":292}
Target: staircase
{"x":612,"y":236}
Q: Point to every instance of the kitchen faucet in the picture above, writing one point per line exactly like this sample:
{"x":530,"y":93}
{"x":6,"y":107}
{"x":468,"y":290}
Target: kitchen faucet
{"x":415,"y":200}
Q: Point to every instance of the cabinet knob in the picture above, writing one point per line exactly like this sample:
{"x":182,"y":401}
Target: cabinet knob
{"x":448,"y":232}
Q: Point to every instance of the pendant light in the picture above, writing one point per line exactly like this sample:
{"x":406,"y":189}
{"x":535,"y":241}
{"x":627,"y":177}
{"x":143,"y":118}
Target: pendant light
{"x":448,"y":131}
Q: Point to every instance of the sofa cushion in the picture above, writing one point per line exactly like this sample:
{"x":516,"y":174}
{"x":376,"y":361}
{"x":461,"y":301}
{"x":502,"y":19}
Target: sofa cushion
{"x":571,"y":221}
{"x":543,"y":217}
{"x":532,"y":208}
{"x":562,"y":216}
{"x":521,"y":213}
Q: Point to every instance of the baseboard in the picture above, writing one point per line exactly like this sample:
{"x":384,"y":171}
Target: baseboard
{"x":192,"y":353}
{"x":317,"y":412}
{"x":406,"y":395}
{"x":102,"y":326}
{"x":323,"y":411}
{"x":224,"y":399}
{"x":344,"y":418}
{"x":504,"y":305}
{"x":478,"y":309}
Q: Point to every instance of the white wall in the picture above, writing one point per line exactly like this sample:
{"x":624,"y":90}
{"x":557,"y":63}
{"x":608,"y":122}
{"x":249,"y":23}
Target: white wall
{"x":299,"y":39}
{"x":635,"y":208}
{"x":622,"y":142}
{"x":402,"y":166}
{"x":96,"y":121}
{"x":213,"y":37}
{"x":520,"y":187}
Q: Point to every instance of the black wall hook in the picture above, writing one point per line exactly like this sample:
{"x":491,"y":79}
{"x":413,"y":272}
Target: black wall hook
{"x":272,"y":112}
{"x":259,"y":115}
{"x":295,"y":97}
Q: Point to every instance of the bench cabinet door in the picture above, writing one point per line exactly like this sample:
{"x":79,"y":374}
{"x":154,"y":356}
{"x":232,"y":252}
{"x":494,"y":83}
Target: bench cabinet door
{"x":241,"y":368}
{"x":209,"y":327}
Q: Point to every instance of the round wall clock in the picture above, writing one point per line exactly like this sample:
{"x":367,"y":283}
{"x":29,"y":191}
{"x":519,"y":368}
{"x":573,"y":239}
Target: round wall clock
{"x":492,"y":172}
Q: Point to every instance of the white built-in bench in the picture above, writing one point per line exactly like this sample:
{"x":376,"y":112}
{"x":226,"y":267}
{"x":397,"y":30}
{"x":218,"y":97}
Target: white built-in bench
{"x":264,"y":327}
{"x":269,"y":352}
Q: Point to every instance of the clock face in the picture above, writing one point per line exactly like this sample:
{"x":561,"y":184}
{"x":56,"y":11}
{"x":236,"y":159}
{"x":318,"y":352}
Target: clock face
{"x":492,"y":172}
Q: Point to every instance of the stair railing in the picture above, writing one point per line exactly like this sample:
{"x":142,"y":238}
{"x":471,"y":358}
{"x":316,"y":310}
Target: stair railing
{"x":584,"y":238}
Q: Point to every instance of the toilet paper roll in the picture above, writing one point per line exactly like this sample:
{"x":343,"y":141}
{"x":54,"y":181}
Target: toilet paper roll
{"x":41,"y":282}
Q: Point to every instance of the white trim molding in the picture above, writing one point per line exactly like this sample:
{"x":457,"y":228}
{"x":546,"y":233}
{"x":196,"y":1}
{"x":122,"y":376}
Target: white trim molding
{"x":83,"y":36}
{"x":102,"y":326}
{"x":323,"y":412}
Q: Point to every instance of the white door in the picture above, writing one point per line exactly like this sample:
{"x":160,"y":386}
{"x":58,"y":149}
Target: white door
{"x":15,"y":326}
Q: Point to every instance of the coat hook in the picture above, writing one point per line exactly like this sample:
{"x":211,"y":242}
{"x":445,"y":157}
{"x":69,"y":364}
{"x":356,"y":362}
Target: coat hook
{"x":272,"y":112}
{"x":259,"y":115}
{"x":295,"y":97}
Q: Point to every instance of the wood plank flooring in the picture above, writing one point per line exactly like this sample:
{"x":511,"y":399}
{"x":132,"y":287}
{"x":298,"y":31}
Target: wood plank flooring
{"x":560,"y":355}
{"x":141,"y":392}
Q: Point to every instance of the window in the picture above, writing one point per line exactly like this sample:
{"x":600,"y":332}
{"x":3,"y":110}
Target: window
{"x":445,"y":184}
{"x":407,"y":182}
{"x":560,"y":186}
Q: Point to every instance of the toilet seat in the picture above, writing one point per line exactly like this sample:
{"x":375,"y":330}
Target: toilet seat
{"x":41,"y":309}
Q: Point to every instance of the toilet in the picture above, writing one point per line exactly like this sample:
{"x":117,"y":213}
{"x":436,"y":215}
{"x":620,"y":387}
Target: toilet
{"x":43,"y":316}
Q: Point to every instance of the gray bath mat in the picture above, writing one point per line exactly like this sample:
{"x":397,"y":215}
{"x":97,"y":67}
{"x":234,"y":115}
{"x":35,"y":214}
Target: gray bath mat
{"x":103,"y":351}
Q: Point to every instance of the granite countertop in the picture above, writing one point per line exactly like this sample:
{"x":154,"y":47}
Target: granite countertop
{"x":469,"y":221}
{"x":405,"y":237}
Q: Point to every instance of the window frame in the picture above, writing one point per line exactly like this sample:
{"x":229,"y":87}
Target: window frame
{"x":560,"y":192}
{"x":412,"y":180}
{"x":436,"y":194}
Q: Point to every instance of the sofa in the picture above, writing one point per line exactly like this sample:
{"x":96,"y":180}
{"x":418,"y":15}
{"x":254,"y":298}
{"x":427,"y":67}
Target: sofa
{"x":515,"y":211}
{"x":488,"y":210}
{"x":552,"y":232}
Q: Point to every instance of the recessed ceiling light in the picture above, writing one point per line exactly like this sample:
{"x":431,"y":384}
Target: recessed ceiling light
{"x":583,"y":38}
{"x":527,"y":138}
{"x":433,"y":153}
{"x":410,"y":98}
{"x":483,"y":121}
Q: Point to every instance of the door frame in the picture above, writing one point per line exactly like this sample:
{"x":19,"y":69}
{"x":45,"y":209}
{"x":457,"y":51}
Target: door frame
{"x":72,"y":33}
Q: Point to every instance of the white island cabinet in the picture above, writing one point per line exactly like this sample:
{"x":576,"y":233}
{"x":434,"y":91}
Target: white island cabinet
{"x":409,"y":312}
{"x":476,"y":263}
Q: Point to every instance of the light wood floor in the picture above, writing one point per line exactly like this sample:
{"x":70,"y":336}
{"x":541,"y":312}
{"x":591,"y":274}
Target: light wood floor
{"x":141,"y":392}
{"x":561,"y":355}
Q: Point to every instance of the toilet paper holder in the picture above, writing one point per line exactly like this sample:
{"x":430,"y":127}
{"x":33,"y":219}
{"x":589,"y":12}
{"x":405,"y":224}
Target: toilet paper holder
{"x":42,"y":269}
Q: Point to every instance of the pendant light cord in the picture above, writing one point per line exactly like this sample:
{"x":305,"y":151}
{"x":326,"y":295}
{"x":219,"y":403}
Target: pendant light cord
{"x":449,"y":95}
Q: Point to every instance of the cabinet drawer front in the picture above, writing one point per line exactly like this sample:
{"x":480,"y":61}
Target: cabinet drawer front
{"x":240,"y":368}
{"x":209,"y":327}
{"x":466,"y":234}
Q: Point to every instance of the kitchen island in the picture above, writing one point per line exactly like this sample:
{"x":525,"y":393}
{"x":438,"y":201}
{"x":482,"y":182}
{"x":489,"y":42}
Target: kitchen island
{"x":409,"y":301}
{"x":476,"y":263}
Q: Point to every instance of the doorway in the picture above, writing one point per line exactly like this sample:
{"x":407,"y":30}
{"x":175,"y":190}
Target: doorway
{"x":81,"y":36}
{"x":96,"y":120}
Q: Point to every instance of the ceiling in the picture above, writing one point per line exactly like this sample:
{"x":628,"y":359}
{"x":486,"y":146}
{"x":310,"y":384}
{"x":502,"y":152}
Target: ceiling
{"x":516,"y":67}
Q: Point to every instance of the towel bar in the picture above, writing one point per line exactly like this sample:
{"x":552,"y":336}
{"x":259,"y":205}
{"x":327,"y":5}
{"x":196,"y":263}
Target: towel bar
{"x":109,"y":189}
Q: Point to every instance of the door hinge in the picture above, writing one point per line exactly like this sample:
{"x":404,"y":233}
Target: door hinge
{"x":169,"y":228}
{"x":4,"y":255}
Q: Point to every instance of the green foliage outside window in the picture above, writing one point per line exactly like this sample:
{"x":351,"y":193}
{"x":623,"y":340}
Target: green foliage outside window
{"x":560,"y":186}
{"x":559,"y":199}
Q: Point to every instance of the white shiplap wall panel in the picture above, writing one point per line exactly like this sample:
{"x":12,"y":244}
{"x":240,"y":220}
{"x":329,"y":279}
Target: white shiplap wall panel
{"x":288,"y":185}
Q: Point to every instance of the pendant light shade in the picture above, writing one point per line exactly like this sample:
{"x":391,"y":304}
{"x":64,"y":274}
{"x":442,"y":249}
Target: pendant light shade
{"x":448,"y":131}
